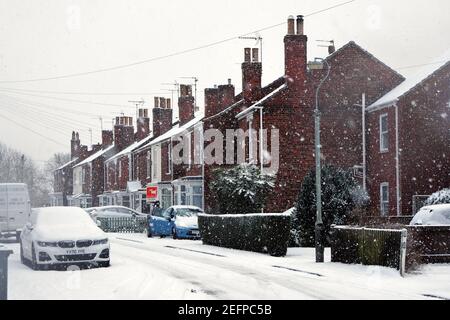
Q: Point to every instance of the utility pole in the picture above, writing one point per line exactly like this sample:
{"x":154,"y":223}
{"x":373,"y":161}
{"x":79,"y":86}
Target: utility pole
{"x":364,"y":141}
{"x":319,"y":228}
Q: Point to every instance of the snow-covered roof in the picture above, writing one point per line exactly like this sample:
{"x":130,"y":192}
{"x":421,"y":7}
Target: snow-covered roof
{"x":175,"y":131}
{"x":411,"y":82}
{"x":260,"y":102}
{"x":94,"y":156}
{"x":131,"y":148}
{"x":67,"y":164}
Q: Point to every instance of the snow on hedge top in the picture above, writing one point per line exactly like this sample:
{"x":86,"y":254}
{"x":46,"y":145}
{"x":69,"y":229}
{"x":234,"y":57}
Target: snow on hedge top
{"x":411,"y":82}
{"x":284,"y":214}
{"x":65,"y":223}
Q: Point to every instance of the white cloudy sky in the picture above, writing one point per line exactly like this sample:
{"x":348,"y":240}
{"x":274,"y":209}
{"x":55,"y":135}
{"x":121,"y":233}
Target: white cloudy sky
{"x":47,"y":38}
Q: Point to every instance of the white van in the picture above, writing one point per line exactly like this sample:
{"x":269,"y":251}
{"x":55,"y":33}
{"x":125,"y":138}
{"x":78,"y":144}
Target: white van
{"x":15,"y":208}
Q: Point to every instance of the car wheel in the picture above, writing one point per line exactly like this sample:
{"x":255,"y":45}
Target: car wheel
{"x":34,"y":264}
{"x":174,"y":233}
{"x":149,"y":233}
{"x":22,"y":257}
{"x":104,"y":264}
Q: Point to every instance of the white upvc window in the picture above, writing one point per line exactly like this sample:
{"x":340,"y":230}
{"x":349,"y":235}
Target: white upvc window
{"x":384,"y":133}
{"x":384,"y":198}
{"x":149,"y":164}
{"x":169,"y":158}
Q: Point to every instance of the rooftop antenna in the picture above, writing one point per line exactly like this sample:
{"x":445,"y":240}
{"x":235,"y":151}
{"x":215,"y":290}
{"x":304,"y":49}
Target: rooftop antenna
{"x":137,"y":103}
{"x":195,"y":90}
{"x":330,"y":45}
{"x":171,"y":91}
{"x":176,"y":86}
{"x":258,"y":39}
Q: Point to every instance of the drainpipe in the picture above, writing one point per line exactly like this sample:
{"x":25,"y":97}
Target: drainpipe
{"x":397,"y":161}
{"x":364,"y":142}
{"x":202,"y":157}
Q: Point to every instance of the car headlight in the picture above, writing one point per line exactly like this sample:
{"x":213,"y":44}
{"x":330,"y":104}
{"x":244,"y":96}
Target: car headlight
{"x":47,"y":244}
{"x":101,"y":241}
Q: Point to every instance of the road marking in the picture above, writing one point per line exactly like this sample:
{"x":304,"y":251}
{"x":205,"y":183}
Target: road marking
{"x":434,"y":296}
{"x":131,"y":240}
{"x":297,"y":270}
{"x":209,"y":253}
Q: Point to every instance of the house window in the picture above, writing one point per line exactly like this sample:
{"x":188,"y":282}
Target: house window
{"x":169,"y":158}
{"x":149,"y":163}
{"x":384,"y":198}
{"x":384,"y":133}
{"x":184,"y":199}
{"x":166,"y":198}
{"x":197,"y":196}
{"x":126,"y":201}
{"x":154,"y":164}
{"x":120,"y":169}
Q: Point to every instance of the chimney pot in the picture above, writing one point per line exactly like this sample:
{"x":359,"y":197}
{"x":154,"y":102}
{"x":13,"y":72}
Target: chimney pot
{"x":255,"y":57}
{"x":168,"y":103}
{"x":162,"y":103}
{"x":300,"y":25}
{"x":291,"y":27}
{"x":156,"y":102}
{"x":229,"y":82}
{"x":247,"y":53}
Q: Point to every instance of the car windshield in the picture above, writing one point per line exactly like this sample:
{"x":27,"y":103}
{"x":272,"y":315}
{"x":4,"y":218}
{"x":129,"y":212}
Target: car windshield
{"x":187,"y":212}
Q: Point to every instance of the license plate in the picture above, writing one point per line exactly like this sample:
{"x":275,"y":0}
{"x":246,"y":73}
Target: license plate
{"x":80,"y":251}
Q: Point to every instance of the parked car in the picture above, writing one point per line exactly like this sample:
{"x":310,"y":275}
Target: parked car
{"x":61,"y":235}
{"x":180,"y":222}
{"x":15,"y":208}
{"x":113,"y":212}
{"x":437,"y":214}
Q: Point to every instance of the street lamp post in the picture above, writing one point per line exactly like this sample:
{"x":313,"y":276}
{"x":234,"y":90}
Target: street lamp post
{"x":319,"y":222}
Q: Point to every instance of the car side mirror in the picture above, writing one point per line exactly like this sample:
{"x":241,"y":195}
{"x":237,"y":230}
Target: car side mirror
{"x":99,"y":223}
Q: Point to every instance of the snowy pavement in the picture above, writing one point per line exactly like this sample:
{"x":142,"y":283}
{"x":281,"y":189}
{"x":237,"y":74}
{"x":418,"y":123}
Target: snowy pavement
{"x":156,"y":268}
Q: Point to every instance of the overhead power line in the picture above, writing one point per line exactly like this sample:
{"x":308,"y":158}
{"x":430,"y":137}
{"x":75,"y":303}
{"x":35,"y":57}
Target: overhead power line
{"x":33,"y":131}
{"x":215,"y":43}
{"x":421,"y":65}
{"x":64,"y":99}
{"x":86,"y":93}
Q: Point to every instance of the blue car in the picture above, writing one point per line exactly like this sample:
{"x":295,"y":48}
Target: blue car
{"x":180,"y":222}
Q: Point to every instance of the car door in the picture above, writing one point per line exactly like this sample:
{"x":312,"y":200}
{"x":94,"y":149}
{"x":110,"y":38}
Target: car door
{"x":168,"y":223}
{"x":157,"y":222}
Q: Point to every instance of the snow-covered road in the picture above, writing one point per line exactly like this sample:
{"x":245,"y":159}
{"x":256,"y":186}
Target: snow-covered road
{"x":155,"y":268}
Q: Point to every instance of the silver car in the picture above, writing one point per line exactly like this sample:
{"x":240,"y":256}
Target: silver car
{"x":437,"y":214}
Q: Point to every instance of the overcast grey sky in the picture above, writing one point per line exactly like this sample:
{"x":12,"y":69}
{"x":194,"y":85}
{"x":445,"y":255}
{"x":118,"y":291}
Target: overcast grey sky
{"x":47,"y":38}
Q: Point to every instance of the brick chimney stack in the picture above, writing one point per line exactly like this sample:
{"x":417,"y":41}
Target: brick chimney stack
{"x":107,"y":138}
{"x":251,"y":76}
{"x":295,"y":55}
{"x":218,"y":99}
{"x":162,"y":117}
{"x":123,"y":132}
{"x":186,"y":104}
{"x":75,"y":145}
{"x":142,"y":125}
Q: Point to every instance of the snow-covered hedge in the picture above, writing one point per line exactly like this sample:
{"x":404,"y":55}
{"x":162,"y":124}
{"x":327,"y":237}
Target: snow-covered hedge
{"x":440,"y":197}
{"x":251,"y":232}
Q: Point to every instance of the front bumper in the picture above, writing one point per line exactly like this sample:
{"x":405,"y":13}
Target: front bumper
{"x":188,"y":233}
{"x":56,"y":255}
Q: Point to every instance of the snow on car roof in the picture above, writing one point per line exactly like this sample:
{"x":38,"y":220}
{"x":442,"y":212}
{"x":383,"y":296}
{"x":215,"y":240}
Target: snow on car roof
{"x":185,"y":207}
{"x":411,"y":82}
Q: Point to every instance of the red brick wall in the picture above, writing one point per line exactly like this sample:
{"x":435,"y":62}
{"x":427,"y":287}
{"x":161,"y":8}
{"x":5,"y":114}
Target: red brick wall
{"x":425,"y":138}
{"x":381,"y":165}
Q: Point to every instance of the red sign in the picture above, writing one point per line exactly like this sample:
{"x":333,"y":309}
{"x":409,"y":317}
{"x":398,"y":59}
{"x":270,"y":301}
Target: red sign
{"x":152,"y":192}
